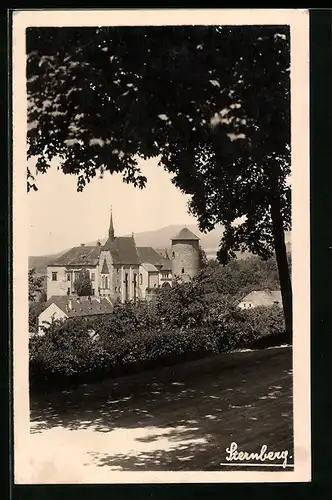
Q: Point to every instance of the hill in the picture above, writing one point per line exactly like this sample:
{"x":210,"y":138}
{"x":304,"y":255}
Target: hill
{"x":159,"y":239}
{"x":40,"y":262}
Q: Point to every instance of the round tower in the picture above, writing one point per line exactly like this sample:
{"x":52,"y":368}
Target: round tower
{"x":185,"y":255}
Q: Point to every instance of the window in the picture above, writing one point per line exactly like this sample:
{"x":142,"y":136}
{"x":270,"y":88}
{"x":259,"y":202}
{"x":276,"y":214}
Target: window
{"x":77,"y":275}
{"x":68,"y":276}
{"x":182,"y":270}
{"x":173,"y":255}
{"x":106,"y":282}
{"x":54,"y":276}
{"x":92,"y":291}
{"x":68,"y":291}
{"x":141,"y":279}
{"x":92,"y":276}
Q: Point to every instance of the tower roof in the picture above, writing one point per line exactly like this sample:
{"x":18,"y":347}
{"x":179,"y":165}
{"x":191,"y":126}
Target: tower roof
{"x":185,"y":234}
{"x":111,"y":228}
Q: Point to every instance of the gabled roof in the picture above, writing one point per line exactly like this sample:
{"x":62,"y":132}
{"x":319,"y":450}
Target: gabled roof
{"x":149,"y":267}
{"x":167,"y":266}
{"x":123,"y":250}
{"x":79,"y":256}
{"x":185,"y":234}
{"x":149,"y":254}
{"x":104,"y":269}
{"x":81,"y":306}
{"x":263,"y":297}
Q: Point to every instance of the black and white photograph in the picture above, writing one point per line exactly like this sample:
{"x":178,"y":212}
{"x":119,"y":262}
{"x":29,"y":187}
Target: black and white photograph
{"x":161,"y":246}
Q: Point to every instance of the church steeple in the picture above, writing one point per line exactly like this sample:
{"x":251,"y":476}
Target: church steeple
{"x":111,"y":228}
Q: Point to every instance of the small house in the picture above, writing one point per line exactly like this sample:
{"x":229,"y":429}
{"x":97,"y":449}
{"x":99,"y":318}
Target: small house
{"x":261,"y":298}
{"x":62,"y":307}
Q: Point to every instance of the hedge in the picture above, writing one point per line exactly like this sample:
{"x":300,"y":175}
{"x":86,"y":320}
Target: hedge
{"x":136,"y":338}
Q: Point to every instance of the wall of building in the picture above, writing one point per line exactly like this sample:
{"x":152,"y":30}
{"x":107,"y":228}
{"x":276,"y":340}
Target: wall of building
{"x":58,"y":286}
{"x":153,"y":279}
{"x":105,"y":255}
{"x":52,"y":312}
{"x":143,"y":282}
{"x":93,"y":272}
{"x":116,"y":282}
{"x":246,"y":305}
{"x":165,"y":277}
{"x":185,"y":259}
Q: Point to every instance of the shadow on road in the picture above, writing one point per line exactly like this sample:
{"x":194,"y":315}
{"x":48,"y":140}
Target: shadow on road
{"x":183,"y":417}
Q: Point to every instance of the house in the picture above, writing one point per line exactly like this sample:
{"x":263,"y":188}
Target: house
{"x":122,"y":271}
{"x":261,"y":298}
{"x":62,"y":307}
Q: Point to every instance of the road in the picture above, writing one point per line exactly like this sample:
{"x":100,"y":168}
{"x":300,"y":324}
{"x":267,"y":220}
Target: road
{"x":171,"y":419}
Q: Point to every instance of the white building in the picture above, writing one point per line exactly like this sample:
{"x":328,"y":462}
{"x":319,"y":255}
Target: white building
{"x":261,"y":298}
{"x":62,"y":307}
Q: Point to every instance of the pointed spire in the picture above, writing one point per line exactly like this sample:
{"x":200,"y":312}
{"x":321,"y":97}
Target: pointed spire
{"x":111,"y":228}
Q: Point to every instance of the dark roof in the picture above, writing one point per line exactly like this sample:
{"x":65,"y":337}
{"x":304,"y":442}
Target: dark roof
{"x":123,"y":250}
{"x":167,"y":266}
{"x":185,"y":234}
{"x":79,"y":256}
{"x":164,"y":252}
{"x":149,"y":267}
{"x":150,"y":255}
{"x":81,"y":306}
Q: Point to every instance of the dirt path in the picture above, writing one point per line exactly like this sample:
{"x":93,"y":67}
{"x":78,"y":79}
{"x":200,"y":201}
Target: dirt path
{"x":180,"y":418}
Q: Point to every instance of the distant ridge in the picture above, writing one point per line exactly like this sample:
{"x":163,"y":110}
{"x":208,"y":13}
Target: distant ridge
{"x":158,"y":239}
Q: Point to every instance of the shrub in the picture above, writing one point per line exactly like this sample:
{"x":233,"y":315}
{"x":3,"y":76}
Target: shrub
{"x":35,"y":308}
{"x":180,"y":325}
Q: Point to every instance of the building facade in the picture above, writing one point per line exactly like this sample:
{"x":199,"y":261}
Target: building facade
{"x":119,"y":270}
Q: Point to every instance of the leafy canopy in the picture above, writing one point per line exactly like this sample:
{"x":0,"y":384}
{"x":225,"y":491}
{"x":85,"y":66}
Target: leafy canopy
{"x":83,"y":285}
{"x":212,"y":103}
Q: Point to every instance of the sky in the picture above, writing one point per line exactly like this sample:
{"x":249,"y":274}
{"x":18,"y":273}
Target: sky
{"x":60,"y":217}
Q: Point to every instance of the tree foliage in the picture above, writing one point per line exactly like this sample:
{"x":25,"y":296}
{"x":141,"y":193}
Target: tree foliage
{"x":83,"y":285}
{"x":36,"y":285}
{"x":213,"y":103}
{"x":238,"y":278}
{"x":179,"y":327}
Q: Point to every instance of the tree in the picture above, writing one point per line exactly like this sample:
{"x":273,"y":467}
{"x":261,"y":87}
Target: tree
{"x":202,"y":258}
{"x":83,"y":285}
{"x":213,"y":103}
{"x":36,"y":285}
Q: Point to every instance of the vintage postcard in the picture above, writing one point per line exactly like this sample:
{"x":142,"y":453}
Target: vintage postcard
{"x":161,"y":294}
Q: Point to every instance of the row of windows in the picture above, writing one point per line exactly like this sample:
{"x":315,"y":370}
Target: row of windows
{"x":69,"y":276}
{"x":92,"y":277}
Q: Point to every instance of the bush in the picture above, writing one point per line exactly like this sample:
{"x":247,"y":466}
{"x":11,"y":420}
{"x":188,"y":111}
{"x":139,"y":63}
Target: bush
{"x":35,"y":308}
{"x":180,"y":325}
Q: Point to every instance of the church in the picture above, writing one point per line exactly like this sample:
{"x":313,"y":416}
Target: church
{"x":120,"y":270}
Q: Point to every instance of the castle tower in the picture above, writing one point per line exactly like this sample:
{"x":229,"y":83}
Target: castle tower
{"x":185,"y":255}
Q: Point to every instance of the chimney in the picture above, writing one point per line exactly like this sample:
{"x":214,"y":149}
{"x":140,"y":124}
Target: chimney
{"x":98,"y":243}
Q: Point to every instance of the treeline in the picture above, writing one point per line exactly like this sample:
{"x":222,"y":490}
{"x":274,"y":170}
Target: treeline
{"x":239,"y":277}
